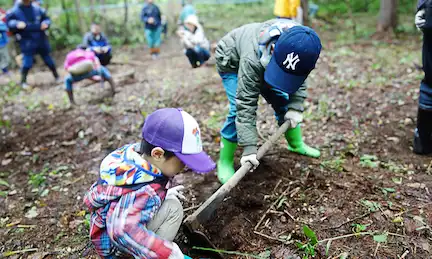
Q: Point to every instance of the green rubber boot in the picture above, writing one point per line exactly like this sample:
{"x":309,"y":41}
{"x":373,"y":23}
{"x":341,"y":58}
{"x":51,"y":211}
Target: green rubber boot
{"x":225,"y":164}
{"x":296,"y":144}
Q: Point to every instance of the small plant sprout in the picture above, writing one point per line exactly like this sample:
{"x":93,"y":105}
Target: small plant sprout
{"x":371,"y":205}
{"x":369,"y":161}
{"x":358,"y":228}
{"x":310,"y":246}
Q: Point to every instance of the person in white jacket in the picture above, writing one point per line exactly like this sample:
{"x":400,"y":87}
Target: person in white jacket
{"x":195,"y":43}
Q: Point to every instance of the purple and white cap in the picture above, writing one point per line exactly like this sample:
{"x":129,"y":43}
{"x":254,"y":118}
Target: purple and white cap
{"x":177,"y":131}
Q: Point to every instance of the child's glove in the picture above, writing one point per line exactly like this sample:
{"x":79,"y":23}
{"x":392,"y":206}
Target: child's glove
{"x":98,"y":50}
{"x":420,"y":19}
{"x":176,"y":192}
{"x":251,"y":159}
{"x":294,"y":116}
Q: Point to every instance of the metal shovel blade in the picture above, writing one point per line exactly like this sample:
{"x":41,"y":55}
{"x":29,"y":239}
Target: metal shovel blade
{"x":195,"y":238}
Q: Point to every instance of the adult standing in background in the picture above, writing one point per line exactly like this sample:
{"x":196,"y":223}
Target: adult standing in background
{"x":29,"y":23}
{"x":151,"y":17}
{"x":289,"y":9}
{"x":423,"y":132}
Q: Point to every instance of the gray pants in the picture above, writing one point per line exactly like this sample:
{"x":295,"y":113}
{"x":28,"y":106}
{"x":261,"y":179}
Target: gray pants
{"x":4,"y":58}
{"x":165,"y":223}
{"x":168,"y":219}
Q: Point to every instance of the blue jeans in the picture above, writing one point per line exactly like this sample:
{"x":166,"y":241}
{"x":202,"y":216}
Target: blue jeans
{"x":196,"y":55}
{"x":425,"y":98}
{"x":278,"y":100}
{"x":153,"y":37}
{"x":70,"y":79}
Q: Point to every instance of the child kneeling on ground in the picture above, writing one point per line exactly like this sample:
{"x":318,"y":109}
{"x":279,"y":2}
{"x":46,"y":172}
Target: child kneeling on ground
{"x":133,"y":211}
{"x":82,"y":64}
{"x":197,"y":46}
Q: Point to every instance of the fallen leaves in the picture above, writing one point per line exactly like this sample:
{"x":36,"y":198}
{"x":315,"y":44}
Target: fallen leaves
{"x":32,"y":213}
{"x":6,"y":162}
{"x":416,"y":185}
{"x":68,"y":143}
{"x":38,"y":255}
{"x":382,"y":238}
{"x":4,"y":183}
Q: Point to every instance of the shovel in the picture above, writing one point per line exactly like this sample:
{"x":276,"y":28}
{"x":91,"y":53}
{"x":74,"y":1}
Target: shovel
{"x":205,"y":211}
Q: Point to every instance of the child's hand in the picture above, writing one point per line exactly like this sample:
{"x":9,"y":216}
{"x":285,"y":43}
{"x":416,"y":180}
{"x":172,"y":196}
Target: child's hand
{"x":151,"y":20}
{"x":420,"y":19}
{"x":21,"y":25}
{"x":176,"y":192}
{"x":180,"y":33}
{"x":44,"y":26}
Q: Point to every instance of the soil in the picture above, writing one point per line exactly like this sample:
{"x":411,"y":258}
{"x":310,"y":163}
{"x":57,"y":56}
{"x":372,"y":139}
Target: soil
{"x":360,"y":113}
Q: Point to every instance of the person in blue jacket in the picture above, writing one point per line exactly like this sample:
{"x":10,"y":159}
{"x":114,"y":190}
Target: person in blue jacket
{"x":97,"y":42}
{"x":4,"y":54}
{"x":151,"y":17}
{"x":29,"y":24}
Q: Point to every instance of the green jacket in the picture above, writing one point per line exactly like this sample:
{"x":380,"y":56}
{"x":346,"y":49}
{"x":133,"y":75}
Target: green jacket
{"x":238,"y":52}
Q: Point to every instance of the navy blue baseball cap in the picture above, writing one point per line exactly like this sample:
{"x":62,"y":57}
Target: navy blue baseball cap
{"x":295,"y":55}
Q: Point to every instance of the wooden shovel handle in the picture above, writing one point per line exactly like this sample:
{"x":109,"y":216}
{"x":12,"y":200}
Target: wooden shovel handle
{"x":204,"y":212}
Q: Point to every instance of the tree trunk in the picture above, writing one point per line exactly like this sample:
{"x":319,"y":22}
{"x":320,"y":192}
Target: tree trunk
{"x":102,"y":11}
{"x":92,"y":5}
{"x":172,"y":12}
{"x":80,"y":20}
{"x":305,"y":7}
{"x":387,"y":20}
{"x":68,"y":25}
{"x":125,"y":22}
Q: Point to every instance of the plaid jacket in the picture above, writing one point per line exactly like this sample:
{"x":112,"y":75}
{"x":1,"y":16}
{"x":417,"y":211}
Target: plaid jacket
{"x":119,"y":214}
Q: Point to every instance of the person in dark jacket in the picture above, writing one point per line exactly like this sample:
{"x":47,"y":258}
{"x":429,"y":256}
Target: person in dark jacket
{"x":423,"y":132}
{"x":151,"y":17}
{"x":97,"y":42}
{"x":29,"y":23}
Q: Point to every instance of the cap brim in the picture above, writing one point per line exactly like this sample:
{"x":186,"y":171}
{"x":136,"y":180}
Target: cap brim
{"x":278,"y":78}
{"x":200,"y":163}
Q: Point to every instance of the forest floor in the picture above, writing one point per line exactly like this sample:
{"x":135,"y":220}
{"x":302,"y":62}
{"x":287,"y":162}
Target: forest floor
{"x":361,"y":113}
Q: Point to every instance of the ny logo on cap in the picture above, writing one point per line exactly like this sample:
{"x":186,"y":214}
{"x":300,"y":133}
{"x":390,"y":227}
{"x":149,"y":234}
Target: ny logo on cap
{"x":196,"y":133}
{"x":291,"y":61}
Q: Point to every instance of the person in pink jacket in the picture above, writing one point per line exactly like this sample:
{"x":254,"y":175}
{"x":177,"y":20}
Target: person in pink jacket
{"x":82,"y":64}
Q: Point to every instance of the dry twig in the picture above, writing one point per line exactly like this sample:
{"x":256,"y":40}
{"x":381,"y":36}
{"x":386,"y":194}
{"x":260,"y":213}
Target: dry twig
{"x":348,"y":221}
{"x":404,"y":254}
{"x":289,"y":215}
{"x":376,"y":249}
{"x":273,"y":238}
{"x":271,"y":206}
{"x":192,"y":207}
